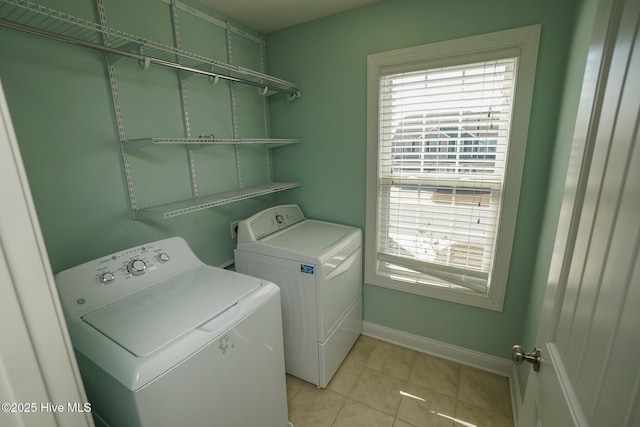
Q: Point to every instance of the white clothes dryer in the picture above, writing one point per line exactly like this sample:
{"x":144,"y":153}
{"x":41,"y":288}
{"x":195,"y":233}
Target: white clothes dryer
{"x":162,"y":339}
{"x":318,"y":267}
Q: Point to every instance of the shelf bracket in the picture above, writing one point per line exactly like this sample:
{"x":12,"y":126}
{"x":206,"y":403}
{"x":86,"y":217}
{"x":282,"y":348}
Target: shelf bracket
{"x":131,"y":47}
{"x":144,"y":63}
{"x":293,"y":96}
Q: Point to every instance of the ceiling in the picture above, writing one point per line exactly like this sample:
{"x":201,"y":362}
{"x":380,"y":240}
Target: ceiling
{"x":267,"y":16}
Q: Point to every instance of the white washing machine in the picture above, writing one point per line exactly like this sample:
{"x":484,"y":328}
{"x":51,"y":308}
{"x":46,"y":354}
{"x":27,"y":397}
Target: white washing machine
{"x":162,"y":339}
{"x":318,"y":267}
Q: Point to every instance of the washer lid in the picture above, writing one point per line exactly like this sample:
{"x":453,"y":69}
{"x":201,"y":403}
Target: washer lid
{"x":307,"y":241}
{"x":147,"y":321}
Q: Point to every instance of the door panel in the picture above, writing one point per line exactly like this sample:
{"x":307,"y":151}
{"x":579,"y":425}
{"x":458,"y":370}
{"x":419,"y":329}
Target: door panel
{"x":608,"y":230}
{"x":616,"y":381}
{"x":590,"y":374}
{"x":36,"y":357}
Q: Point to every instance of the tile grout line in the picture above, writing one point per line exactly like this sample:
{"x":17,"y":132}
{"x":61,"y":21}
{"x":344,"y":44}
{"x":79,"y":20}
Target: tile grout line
{"x":407,"y":382}
{"x":333,"y":422}
{"x":458,"y":389}
{"x":348,"y":396}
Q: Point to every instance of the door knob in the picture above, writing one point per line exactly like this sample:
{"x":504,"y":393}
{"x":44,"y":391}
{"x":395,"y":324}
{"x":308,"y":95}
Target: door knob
{"x":518,"y":355}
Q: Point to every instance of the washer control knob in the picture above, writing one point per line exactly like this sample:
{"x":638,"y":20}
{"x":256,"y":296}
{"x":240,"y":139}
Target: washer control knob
{"x":163,"y":257}
{"x":107,"y":277}
{"x":137,"y":267}
{"x":279,"y":219}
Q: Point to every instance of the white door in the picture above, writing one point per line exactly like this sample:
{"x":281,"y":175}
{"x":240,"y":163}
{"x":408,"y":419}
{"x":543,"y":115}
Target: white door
{"x":39,"y":380}
{"x":590,"y":326}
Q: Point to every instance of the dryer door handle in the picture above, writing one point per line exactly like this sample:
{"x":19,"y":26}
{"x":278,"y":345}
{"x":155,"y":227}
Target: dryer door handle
{"x":344,"y":266}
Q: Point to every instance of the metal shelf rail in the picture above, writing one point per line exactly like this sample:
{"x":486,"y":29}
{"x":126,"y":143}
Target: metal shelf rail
{"x":36,"y":19}
{"x":169,"y":210}
{"x":42,"y":21}
{"x":136,"y":144}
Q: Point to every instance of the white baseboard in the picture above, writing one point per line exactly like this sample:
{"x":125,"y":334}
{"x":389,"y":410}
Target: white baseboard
{"x":454,"y":353}
{"x":451,"y":352}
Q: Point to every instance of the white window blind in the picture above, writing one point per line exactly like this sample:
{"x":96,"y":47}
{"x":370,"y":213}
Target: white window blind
{"x":443,"y":143}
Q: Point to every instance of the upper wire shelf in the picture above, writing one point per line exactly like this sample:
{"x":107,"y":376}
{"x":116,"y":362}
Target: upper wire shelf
{"x":46,"y":22}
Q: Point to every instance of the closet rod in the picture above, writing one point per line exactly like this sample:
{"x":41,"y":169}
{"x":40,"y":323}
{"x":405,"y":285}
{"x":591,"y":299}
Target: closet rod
{"x":142,"y":58}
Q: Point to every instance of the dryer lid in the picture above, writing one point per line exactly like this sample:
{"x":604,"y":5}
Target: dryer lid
{"x":144,"y":322}
{"x":307,"y":241}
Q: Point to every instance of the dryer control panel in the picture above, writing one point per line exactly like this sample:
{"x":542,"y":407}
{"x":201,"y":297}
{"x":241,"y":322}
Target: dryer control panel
{"x":268,"y":222}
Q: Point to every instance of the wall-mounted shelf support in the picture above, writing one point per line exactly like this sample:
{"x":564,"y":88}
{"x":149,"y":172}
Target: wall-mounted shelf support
{"x":29,"y":17}
{"x":42,"y":21}
{"x":170,"y":210}
{"x":136,"y":144}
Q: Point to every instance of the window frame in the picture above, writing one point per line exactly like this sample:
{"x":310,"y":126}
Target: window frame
{"x":521,"y":43}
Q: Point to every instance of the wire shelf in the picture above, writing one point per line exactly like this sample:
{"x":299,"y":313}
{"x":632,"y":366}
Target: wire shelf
{"x":40,"y":20}
{"x":182,"y":207}
{"x":32,"y":18}
{"x":136,"y":144}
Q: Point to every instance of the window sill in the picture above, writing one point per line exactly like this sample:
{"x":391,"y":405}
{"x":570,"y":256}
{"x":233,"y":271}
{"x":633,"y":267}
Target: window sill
{"x":491,"y":301}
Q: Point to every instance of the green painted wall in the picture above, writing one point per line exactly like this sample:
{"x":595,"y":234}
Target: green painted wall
{"x":327,"y":57}
{"x":573,"y":84}
{"x":61,"y":106}
{"x":62,"y":109}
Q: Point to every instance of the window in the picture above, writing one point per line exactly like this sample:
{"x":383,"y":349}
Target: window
{"x":445,"y":151}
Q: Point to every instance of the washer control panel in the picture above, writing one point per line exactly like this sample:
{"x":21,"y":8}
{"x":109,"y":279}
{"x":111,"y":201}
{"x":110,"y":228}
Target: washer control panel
{"x":126,"y":266}
{"x":111,"y":277}
{"x":268,"y":222}
{"x":130,"y":263}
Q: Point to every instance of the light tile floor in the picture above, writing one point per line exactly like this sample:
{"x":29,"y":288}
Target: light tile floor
{"x":384,"y":385}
